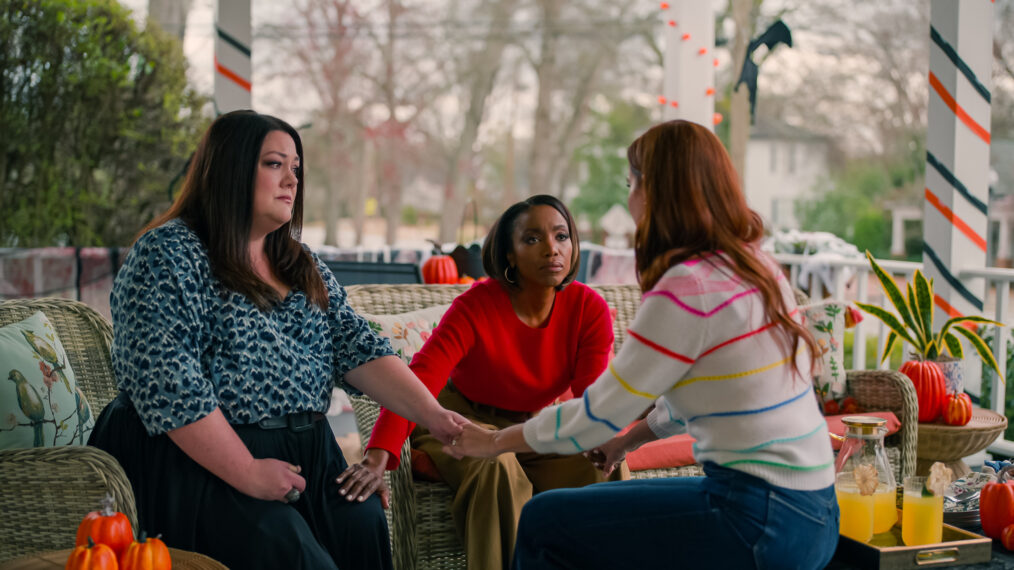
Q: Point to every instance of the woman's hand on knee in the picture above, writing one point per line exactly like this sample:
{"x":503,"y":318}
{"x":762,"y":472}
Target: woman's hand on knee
{"x":271,"y":480}
{"x":361,"y":480}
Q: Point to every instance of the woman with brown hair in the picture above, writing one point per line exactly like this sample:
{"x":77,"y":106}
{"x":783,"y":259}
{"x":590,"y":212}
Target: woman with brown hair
{"x":228,"y":336}
{"x":505,"y":349}
{"x":717,"y":350}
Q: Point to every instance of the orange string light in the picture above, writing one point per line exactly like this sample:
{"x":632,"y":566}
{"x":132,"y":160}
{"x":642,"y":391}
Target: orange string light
{"x":664,"y":5}
{"x":672,"y":23}
{"x":702,"y":51}
{"x":661,"y":99}
{"x":686,"y":37}
{"x":710,"y":91}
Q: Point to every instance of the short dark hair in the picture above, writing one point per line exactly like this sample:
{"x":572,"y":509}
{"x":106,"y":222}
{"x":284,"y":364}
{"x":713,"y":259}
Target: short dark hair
{"x":499,"y":244}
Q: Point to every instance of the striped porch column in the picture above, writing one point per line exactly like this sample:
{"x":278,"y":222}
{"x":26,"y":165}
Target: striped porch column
{"x":232,"y":55}
{"x":689,"y":83}
{"x":957,"y":157}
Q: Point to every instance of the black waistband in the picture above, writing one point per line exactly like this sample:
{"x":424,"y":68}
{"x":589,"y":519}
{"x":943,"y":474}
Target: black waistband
{"x":298,"y":421}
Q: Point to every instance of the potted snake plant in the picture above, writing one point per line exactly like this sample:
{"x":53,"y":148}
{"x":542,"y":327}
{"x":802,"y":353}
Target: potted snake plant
{"x":913,"y":323}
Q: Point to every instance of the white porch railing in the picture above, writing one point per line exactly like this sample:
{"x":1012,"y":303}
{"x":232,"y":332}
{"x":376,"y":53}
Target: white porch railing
{"x":851,"y":280}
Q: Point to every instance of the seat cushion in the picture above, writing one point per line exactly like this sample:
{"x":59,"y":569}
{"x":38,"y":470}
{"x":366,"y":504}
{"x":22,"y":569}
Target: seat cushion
{"x":678,"y":451}
{"x":675,"y":451}
{"x":40,"y":402}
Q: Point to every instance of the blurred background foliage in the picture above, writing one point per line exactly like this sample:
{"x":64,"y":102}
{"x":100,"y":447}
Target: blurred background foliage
{"x":97,"y":118}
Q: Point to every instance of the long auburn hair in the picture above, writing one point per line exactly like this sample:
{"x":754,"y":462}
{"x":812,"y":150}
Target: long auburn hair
{"x":216,"y":202}
{"x":694,"y":207}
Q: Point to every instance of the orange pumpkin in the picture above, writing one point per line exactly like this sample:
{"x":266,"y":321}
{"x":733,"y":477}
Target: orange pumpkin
{"x":930,"y":387}
{"x":466,"y":279}
{"x":996,"y":508}
{"x":958,"y":411}
{"x":1007,"y":537}
{"x":146,"y":554}
{"x":106,"y":526}
{"x":92,"y":556}
{"x":440,"y":269}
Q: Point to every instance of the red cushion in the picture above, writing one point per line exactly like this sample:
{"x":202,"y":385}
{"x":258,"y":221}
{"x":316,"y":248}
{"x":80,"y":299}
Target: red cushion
{"x":674,"y":451}
{"x":677,"y":451}
{"x":423,"y":467}
{"x":835,"y":425}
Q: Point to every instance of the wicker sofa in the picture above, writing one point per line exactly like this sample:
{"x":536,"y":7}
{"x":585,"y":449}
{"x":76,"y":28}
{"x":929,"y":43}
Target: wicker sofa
{"x":422,"y":531}
{"x":45,"y":491}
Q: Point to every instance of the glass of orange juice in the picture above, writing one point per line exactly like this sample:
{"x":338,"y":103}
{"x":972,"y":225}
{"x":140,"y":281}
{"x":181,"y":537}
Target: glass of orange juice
{"x":885,"y":509}
{"x":856,"y":509}
{"x":922,"y":513}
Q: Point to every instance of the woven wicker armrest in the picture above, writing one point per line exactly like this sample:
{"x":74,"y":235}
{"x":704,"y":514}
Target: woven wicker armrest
{"x":890,"y":390}
{"x":46,"y":491}
{"x":403,"y":496}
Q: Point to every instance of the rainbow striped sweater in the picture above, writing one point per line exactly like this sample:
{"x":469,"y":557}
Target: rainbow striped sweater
{"x":701,"y":352}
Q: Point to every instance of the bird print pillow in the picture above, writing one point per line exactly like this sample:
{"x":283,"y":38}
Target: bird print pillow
{"x":40,"y":402}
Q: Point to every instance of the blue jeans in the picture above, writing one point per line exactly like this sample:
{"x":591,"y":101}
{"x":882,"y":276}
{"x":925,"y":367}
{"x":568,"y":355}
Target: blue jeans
{"x":727,"y":519}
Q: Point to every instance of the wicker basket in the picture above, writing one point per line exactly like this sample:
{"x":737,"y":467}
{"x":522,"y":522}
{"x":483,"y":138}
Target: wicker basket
{"x":941,"y":442}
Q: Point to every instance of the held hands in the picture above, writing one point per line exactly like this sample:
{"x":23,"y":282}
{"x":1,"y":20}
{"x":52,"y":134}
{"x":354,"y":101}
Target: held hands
{"x":447,"y":425}
{"x":474,"y":441}
{"x":363,"y":479}
{"x":608,"y":456}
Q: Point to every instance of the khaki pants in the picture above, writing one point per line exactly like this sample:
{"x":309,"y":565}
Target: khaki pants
{"x":489,"y":493}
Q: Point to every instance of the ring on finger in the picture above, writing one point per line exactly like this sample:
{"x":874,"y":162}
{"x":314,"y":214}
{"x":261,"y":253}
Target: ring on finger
{"x":293,"y":495}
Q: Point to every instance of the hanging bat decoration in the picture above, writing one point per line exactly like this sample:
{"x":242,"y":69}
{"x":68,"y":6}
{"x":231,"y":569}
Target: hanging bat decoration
{"x":777,"y":33}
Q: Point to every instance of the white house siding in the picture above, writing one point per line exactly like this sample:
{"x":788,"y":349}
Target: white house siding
{"x":780,"y":170}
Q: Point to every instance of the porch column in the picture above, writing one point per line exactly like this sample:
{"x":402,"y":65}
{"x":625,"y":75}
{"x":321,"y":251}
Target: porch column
{"x":957,"y":156}
{"x":233,"y":71}
{"x":689,"y":83}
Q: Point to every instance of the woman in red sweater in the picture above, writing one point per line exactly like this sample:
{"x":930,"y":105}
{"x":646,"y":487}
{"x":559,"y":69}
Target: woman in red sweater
{"x":505,"y":349}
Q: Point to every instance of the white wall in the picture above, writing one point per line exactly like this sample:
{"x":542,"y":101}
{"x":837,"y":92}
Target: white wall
{"x":778,"y":171}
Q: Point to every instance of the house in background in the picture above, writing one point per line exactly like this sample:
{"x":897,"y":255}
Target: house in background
{"x":783,"y":163}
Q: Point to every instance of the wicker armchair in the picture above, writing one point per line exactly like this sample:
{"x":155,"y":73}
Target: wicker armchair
{"x":44,"y":492}
{"x":422,"y":532}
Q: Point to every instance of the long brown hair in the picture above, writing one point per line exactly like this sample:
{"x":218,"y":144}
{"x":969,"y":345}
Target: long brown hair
{"x":216,"y":202}
{"x":694,"y":207}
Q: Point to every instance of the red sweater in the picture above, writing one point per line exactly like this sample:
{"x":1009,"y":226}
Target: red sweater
{"x":495,"y":359}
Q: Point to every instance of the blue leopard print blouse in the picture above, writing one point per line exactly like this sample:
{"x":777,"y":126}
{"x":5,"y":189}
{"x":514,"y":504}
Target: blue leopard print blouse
{"x":184,"y":345}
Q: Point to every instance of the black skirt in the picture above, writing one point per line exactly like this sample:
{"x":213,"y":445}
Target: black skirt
{"x":195,"y":510}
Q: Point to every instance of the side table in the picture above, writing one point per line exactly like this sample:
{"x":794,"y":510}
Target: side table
{"x":949,"y":444}
{"x":55,"y":559}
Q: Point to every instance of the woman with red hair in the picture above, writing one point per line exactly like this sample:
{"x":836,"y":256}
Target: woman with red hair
{"x":716,"y":350}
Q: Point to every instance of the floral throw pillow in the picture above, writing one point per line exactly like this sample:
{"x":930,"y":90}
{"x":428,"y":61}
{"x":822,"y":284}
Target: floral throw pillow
{"x":407,"y":331}
{"x":826,"y":322}
{"x":40,"y":402}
